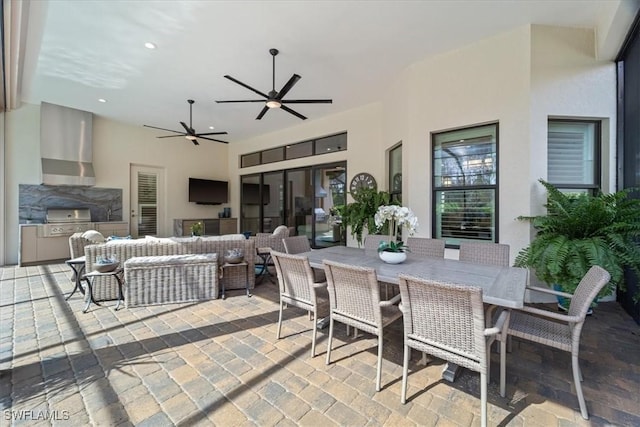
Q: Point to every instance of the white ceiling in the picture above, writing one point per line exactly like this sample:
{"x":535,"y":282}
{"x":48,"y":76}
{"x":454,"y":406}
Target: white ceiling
{"x":350,"y":51}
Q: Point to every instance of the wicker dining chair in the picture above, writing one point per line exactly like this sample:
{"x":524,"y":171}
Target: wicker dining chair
{"x":425,"y":247}
{"x":372,"y":241}
{"x":296,"y":244}
{"x":561,"y":330}
{"x":485,"y":253}
{"x":354,"y":296}
{"x":298,"y":288}
{"x":447,"y":321}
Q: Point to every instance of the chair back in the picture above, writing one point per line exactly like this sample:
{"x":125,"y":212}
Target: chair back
{"x":76,"y":245}
{"x":587,"y":290}
{"x":296,"y":244}
{"x":447,"y":320}
{"x":295,"y":276}
{"x":485,"y":253}
{"x":424,"y":247}
{"x":272,"y":240}
{"x":372,"y":241}
{"x":354,"y":294}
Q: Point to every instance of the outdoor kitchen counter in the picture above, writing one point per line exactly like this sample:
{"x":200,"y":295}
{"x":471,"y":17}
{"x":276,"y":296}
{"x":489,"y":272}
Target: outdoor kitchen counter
{"x":36,"y":249}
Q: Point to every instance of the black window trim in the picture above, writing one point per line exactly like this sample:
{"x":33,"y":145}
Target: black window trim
{"x":597,"y":155}
{"x":495,"y":187}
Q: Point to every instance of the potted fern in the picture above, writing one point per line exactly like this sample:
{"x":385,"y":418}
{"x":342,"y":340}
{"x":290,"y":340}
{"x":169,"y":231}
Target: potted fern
{"x":360,"y":214}
{"x":582,"y":230}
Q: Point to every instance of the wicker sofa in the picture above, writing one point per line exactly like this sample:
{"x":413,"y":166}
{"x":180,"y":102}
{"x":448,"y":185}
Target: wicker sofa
{"x":106,"y":287}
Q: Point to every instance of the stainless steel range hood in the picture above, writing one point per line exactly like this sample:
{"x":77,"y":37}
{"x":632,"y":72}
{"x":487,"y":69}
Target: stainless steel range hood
{"x":65,"y":146}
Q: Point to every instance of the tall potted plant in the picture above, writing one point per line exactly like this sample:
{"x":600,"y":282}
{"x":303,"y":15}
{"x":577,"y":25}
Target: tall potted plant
{"x":582,"y":230}
{"x":359,"y":214}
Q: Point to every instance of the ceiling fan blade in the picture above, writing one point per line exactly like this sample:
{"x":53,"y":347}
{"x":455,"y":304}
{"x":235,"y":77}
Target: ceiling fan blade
{"x":212,"y":139}
{"x":295,"y":113}
{"x":187,"y":128}
{"x":168,"y":130}
{"x":245,"y":86}
{"x":172,"y":136}
{"x":211,"y":133}
{"x":242,"y":100}
{"x":195,"y":142}
{"x":262,"y":113}
{"x":307,"y":101}
{"x":287,"y":87}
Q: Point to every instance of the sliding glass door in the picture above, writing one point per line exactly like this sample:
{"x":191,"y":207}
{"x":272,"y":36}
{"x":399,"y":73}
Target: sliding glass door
{"x":304,"y":199}
{"x":312,"y":195}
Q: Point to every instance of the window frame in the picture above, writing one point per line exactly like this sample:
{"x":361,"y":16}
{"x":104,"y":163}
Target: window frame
{"x":395,"y":193}
{"x":495,"y":187}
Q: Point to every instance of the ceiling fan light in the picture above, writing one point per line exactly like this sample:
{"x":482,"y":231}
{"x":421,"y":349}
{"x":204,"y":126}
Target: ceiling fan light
{"x":273,"y":103}
{"x":190,"y":137}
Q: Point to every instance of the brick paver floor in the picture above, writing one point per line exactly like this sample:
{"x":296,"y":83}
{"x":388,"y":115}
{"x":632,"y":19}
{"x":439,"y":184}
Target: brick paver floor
{"x":219,"y":363}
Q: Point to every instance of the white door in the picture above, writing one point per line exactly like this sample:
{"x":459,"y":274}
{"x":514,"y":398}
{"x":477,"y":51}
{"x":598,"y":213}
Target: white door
{"x":147,"y":204}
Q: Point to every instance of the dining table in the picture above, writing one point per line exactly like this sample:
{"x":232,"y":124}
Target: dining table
{"x":501,"y":286}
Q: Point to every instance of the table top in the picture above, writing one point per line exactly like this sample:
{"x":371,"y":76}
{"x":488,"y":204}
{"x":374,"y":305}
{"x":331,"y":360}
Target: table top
{"x":79,"y":260}
{"x":96,"y":273}
{"x":503,"y":286}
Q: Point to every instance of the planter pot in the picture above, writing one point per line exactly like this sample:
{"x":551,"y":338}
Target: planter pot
{"x":393,"y":257}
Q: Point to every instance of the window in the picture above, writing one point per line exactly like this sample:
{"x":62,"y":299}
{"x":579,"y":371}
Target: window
{"x":395,"y":173}
{"x":301,"y":149}
{"x":273,"y":155}
{"x":331,"y":143}
{"x":572,"y":155}
{"x":465,"y":165}
{"x":314,"y":147}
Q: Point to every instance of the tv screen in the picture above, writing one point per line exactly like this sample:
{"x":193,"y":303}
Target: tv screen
{"x":208,"y":192}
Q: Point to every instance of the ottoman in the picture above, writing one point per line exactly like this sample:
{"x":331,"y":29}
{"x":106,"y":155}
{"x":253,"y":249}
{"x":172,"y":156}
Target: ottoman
{"x":170,"y":279}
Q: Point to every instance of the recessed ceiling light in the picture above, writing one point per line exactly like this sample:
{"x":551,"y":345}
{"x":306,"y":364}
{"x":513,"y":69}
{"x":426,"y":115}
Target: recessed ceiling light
{"x":212,"y":127}
{"x":102,"y":100}
{"x":150,"y":45}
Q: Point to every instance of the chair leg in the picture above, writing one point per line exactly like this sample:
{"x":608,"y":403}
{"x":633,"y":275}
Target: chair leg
{"x":405,"y":371}
{"x":483,"y":400}
{"x":279,"y":320}
{"x":330,"y":338}
{"x":379,"y":373}
{"x":503,"y":366}
{"x":315,"y":333}
{"x":577,"y":381}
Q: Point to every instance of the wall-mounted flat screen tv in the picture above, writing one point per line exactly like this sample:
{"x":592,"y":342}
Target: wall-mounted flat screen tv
{"x":208,"y":192}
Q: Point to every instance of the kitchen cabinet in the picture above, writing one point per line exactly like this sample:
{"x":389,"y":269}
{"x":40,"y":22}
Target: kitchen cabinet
{"x":210,"y":226}
{"x":28,"y":248}
{"x":35,"y":249}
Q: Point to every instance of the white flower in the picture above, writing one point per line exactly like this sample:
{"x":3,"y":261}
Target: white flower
{"x":398,"y":216}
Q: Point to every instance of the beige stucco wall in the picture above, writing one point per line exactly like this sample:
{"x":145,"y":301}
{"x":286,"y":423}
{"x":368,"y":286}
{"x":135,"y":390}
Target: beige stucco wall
{"x":517,"y":79}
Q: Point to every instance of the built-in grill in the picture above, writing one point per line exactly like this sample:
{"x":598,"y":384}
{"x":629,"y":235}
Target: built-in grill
{"x":65,"y":222}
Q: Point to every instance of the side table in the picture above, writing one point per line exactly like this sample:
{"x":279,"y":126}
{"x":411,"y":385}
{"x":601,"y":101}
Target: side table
{"x":118,"y":273}
{"x":77,"y":265}
{"x":265,"y":254}
{"x":238,"y":264}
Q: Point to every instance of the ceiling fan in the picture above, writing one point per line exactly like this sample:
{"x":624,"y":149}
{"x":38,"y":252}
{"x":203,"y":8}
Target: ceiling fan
{"x":275,"y":99}
{"x":190,"y":133}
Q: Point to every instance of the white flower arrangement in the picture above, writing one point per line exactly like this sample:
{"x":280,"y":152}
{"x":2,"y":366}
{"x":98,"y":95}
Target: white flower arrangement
{"x":397,"y":217}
